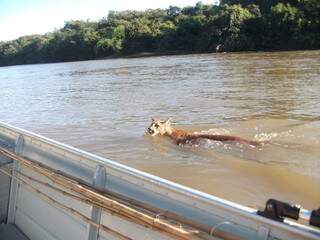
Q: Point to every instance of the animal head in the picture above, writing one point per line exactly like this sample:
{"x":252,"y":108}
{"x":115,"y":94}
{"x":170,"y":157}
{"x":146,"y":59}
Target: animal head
{"x":158,"y":126}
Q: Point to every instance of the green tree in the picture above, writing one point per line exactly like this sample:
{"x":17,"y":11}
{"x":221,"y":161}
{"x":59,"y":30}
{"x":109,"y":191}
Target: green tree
{"x":233,"y":25}
{"x":112,"y":45}
{"x":227,"y":27}
{"x":284,"y":26}
{"x":310,"y":32}
{"x":139,"y":36}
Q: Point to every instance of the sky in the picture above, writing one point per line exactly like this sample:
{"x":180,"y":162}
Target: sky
{"x":26,"y":17}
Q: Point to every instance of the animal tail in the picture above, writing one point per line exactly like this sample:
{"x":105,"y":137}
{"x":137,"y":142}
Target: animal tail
{"x":224,"y":138}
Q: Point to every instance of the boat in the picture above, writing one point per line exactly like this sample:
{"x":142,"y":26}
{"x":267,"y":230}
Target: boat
{"x":51,"y":191}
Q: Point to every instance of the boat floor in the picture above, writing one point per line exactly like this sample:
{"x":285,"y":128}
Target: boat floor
{"x":11,"y":232}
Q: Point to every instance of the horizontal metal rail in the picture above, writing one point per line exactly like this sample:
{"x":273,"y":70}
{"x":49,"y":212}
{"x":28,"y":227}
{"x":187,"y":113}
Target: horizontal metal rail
{"x":202,"y":208}
{"x":57,"y":204}
{"x":122,"y":206}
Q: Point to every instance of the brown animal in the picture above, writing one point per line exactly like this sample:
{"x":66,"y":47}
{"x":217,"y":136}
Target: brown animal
{"x":163,"y":128}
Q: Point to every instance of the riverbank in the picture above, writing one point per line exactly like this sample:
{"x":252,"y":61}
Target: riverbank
{"x":153,"y":54}
{"x":171,"y":53}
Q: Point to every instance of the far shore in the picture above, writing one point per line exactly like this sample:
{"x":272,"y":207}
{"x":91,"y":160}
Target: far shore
{"x":167,"y":53}
{"x":153,"y":54}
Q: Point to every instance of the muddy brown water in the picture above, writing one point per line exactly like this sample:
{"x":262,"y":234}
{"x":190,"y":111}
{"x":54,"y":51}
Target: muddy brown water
{"x":105,"y":106}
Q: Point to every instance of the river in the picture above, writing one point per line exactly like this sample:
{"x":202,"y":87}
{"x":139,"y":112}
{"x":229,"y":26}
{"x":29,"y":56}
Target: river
{"x":105,"y":106}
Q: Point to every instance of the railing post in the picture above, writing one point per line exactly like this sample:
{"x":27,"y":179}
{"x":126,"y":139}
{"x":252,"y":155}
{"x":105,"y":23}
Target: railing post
{"x":263,"y":233}
{"x":99,"y":180}
{"x":14,"y":183}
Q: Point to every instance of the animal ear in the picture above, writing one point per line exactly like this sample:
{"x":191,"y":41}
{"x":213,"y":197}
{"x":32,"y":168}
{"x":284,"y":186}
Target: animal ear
{"x":152,"y":119}
{"x":168,"y":121}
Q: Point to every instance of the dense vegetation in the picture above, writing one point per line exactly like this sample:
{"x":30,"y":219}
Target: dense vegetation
{"x":234,"y":25}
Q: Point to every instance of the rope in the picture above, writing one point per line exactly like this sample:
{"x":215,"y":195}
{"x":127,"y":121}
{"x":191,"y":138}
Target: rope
{"x":72,"y":211}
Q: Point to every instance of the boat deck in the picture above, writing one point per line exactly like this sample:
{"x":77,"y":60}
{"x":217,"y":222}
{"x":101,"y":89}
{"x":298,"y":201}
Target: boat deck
{"x":11,"y":232}
{"x":126,"y":203}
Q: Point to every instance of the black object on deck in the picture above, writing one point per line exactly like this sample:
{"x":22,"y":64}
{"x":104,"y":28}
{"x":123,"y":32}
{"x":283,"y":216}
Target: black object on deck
{"x":278,"y":211}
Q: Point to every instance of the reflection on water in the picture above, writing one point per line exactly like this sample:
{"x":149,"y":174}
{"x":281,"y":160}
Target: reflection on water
{"x":105,"y":106}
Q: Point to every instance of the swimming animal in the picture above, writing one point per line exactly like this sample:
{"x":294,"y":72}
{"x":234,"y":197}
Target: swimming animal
{"x":179,"y":136}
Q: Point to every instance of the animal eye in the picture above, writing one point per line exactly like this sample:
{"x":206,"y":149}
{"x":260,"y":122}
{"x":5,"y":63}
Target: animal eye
{"x":156,"y":125}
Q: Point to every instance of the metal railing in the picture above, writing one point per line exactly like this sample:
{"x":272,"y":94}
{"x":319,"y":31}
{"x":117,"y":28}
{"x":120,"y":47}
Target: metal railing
{"x":188,"y":203}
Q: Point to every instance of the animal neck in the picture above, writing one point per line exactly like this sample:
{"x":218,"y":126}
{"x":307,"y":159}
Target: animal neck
{"x":169,"y":131}
{"x":176,"y":133}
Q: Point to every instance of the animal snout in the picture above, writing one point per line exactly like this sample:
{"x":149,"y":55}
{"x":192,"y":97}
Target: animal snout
{"x":150,"y":131}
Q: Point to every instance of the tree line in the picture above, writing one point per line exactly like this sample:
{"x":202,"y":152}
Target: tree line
{"x":233,"y":25}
